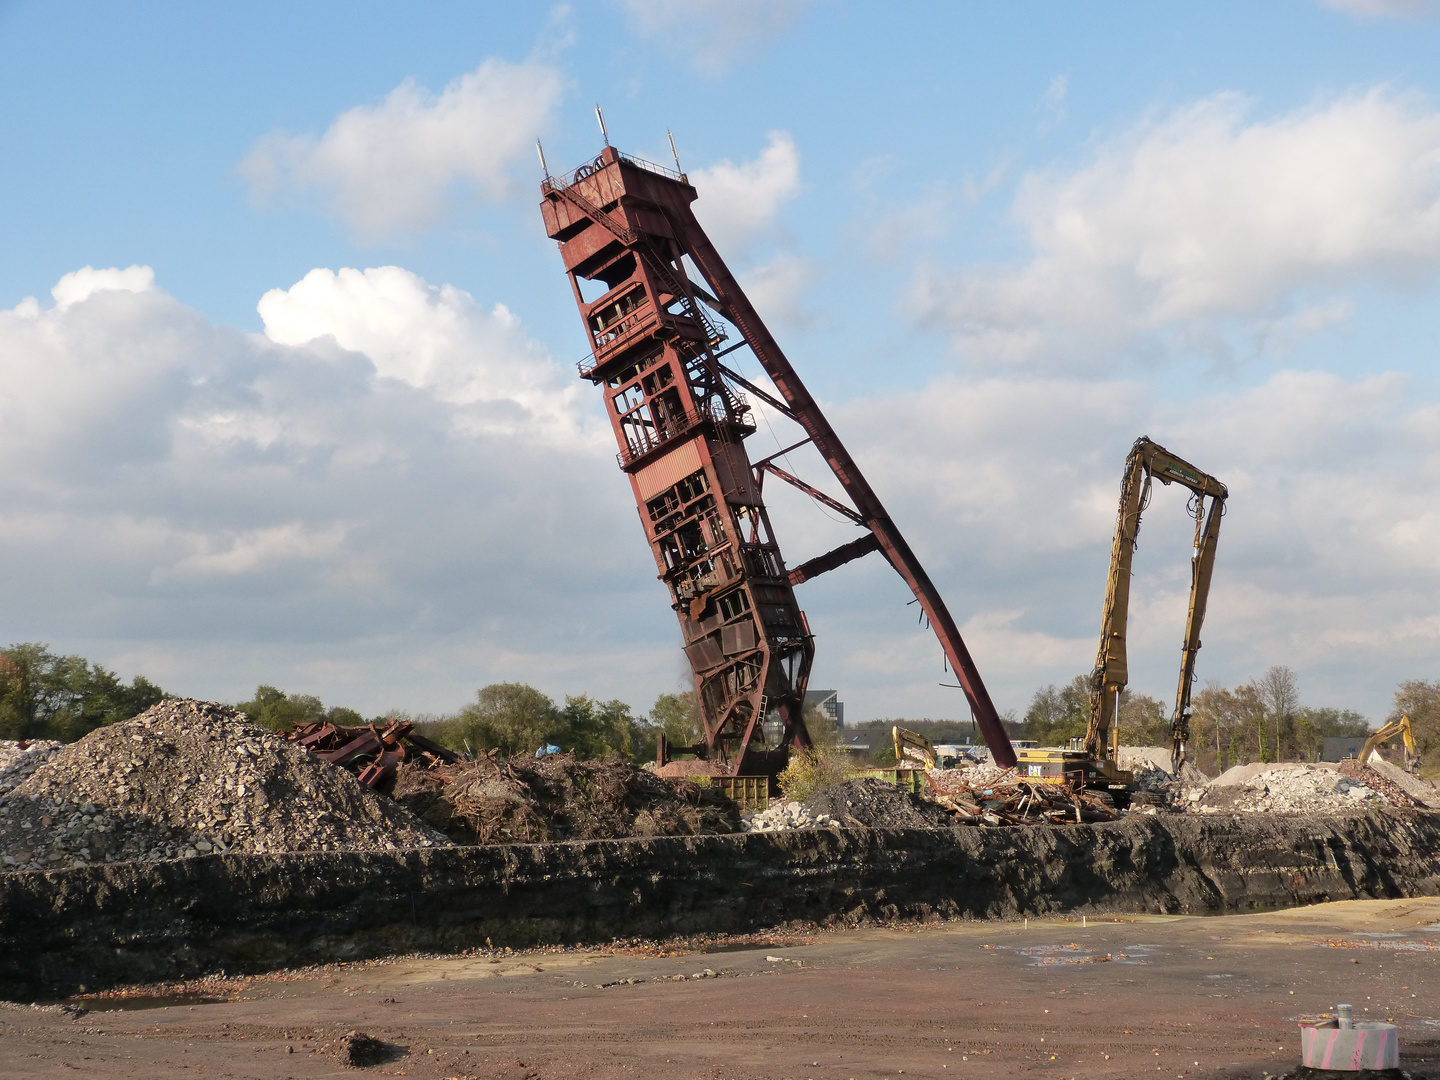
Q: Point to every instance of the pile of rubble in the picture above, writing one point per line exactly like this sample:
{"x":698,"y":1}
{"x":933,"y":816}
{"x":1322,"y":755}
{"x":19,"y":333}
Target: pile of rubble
{"x":1002,"y":797}
{"x":785,"y":815}
{"x":185,"y":778}
{"x":534,"y":800}
{"x":876,"y":804}
{"x":19,"y":759}
{"x":1294,"y":788}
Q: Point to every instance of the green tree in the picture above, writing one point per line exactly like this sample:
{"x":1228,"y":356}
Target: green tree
{"x":1058,"y":714}
{"x":510,"y":717}
{"x":596,"y":730}
{"x":279,"y":711}
{"x":678,"y":717}
{"x":1420,"y":700}
{"x":44,"y":696}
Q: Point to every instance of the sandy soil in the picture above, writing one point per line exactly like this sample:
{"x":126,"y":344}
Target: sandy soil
{"x":1146,"y":995}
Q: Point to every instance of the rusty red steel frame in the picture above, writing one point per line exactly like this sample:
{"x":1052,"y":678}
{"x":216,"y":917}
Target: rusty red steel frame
{"x":681,"y":420}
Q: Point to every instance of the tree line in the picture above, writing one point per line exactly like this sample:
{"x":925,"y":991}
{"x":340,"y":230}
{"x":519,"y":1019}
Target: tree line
{"x":1259,"y":720}
{"x":47,"y":696}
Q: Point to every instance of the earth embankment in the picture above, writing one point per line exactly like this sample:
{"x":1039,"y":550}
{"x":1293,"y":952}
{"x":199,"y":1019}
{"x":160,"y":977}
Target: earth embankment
{"x":118,"y":923}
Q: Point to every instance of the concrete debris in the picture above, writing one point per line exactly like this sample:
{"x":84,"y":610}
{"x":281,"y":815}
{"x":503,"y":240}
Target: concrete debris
{"x":1289,"y":788}
{"x":188,"y":778}
{"x":19,"y":759}
{"x":1423,"y":792}
{"x":785,"y":815}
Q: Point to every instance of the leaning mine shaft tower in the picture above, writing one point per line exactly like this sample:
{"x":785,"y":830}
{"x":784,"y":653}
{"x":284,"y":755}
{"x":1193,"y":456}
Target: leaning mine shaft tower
{"x":681,"y":422}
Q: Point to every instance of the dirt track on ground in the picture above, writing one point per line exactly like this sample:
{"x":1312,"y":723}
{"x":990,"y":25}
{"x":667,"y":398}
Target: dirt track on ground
{"x":1157,"y":994}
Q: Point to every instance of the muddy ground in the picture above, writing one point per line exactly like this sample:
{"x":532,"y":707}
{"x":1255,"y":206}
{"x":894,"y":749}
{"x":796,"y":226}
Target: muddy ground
{"x":1182,"y":996}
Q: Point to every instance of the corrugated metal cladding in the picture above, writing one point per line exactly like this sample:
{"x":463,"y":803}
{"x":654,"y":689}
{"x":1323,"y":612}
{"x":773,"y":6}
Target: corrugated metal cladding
{"x":669,"y":470}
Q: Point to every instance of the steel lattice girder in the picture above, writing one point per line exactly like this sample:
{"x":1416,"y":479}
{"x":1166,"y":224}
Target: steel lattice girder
{"x":681,"y":430}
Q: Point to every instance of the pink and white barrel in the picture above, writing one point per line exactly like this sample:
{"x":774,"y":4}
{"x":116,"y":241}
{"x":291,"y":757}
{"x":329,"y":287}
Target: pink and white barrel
{"x":1365,"y":1045}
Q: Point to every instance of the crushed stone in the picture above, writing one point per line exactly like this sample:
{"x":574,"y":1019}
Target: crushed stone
{"x":876,"y":804}
{"x":19,"y":759}
{"x":785,"y":815}
{"x":187,"y":778}
{"x":535,"y":800}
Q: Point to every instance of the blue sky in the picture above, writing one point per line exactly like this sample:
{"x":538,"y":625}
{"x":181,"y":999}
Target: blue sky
{"x":999,"y":241}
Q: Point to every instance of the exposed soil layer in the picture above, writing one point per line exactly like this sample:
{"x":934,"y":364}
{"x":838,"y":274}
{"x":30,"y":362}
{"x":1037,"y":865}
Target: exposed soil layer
{"x":537,"y":800}
{"x":127,"y":922}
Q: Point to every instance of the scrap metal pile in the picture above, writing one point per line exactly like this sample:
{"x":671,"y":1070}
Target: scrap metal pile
{"x":984,"y":797}
{"x":372,"y":754}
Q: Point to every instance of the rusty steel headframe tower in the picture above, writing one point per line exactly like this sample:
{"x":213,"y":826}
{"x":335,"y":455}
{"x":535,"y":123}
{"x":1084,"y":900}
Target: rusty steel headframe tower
{"x":681,"y":421}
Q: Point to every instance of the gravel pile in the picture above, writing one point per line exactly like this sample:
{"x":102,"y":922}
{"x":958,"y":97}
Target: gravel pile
{"x":186,"y":778}
{"x":19,"y":759}
{"x":785,"y":815}
{"x":875,"y":804}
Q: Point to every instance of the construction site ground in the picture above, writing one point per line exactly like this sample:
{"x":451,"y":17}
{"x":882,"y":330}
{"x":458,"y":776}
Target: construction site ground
{"x":1182,"y":996}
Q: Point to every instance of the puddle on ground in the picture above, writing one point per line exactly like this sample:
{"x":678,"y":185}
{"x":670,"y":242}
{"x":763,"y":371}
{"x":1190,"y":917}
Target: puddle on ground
{"x":1433,"y":928}
{"x":126,"y":1004}
{"x":1074,"y":953}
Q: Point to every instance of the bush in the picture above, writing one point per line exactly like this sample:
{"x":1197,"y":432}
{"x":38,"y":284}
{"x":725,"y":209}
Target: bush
{"x":813,"y":770}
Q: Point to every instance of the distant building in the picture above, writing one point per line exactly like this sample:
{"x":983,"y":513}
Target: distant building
{"x":829,"y":703}
{"x":1340,"y":747}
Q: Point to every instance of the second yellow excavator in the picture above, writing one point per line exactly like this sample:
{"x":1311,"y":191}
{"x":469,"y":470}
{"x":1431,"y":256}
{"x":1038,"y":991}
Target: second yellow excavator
{"x":1399,"y":727}
{"x":1146,"y":461}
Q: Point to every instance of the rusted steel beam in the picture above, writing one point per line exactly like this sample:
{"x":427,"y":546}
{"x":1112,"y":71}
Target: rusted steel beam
{"x":841,"y":555}
{"x":629,"y":225}
{"x":814,"y":492}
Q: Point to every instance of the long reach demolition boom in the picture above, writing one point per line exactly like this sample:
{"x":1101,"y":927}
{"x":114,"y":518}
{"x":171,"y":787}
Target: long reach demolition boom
{"x":680,"y":420}
{"x":1111,"y":673}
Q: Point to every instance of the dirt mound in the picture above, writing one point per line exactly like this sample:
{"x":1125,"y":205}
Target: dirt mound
{"x":185,"y":778}
{"x":530,"y":800}
{"x":878,"y":805}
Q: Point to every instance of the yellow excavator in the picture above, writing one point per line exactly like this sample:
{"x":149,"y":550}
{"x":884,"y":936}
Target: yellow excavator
{"x":1399,"y":727}
{"x":1095,"y":765}
{"x":912,"y":746}
{"x":1148,"y":461}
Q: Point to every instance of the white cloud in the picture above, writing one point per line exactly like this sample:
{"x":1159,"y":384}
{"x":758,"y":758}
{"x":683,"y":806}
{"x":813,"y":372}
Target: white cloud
{"x":1382,"y":9}
{"x":389,"y":169}
{"x":738,"y":201}
{"x":81,"y":284}
{"x":714,"y":32}
{"x":434,"y":338}
{"x":331,"y":508}
{"x":1007,"y":489}
{"x":1201,"y":217}
{"x":777,"y":288}
{"x":228,"y":508}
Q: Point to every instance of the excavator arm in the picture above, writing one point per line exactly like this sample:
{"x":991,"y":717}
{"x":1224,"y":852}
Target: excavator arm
{"x":1399,"y":727}
{"x":919,"y":747}
{"x":1148,"y":461}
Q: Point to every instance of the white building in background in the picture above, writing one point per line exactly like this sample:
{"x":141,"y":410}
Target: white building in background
{"x":829,"y":703}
